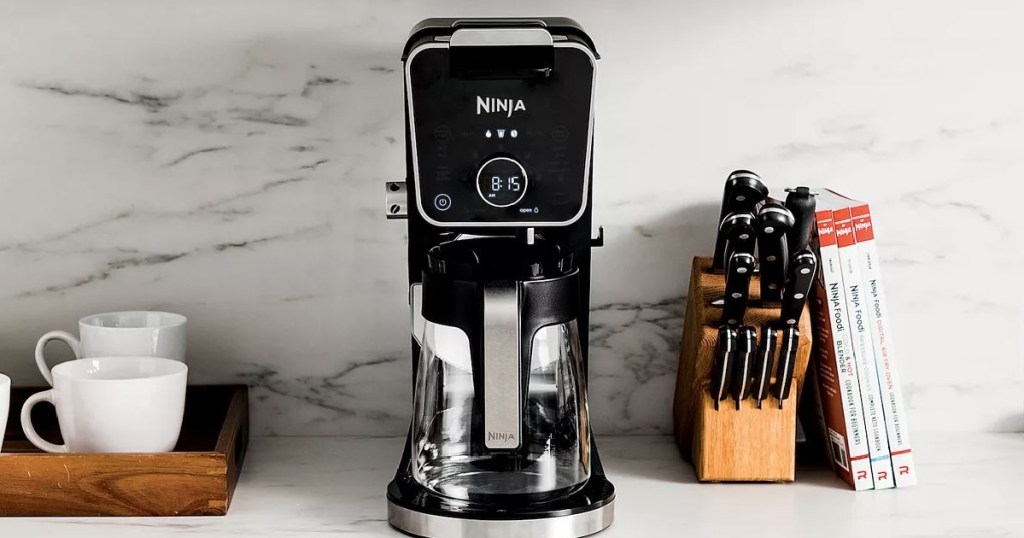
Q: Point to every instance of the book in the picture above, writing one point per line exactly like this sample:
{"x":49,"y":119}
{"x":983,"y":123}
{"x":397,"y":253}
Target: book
{"x":836,"y":369}
{"x":905,"y":472}
{"x":863,"y":351}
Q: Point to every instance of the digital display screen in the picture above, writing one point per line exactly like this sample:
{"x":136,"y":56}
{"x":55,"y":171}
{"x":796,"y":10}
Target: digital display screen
{"x":501,"y":182}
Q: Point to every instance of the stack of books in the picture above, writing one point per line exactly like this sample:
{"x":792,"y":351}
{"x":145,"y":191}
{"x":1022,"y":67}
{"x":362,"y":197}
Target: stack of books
{"x":858,"y":389}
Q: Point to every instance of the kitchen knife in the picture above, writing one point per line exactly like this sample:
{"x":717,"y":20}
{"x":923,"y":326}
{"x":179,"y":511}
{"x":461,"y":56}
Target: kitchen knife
{"x":740,"y":234}
{"x":721,"y":370}
{"x":787,"y":358}
{"x":744,"y":190}
{"x":763,"y":362}
{"x":800,"y":202}
{"x":746,"y":344}
{"x":740,"y":238}
{"x":802,"y":270}
{"x":737,"y":286}
{"x":773,"y":223}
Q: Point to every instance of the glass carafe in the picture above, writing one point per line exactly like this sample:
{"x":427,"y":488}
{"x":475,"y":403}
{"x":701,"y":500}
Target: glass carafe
{"x":552,"y":458}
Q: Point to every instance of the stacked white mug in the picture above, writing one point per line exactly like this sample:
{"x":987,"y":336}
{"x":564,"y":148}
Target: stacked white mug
{"x":126,"y":391}
{"x":120,"y":334}
{"x":113,"y":404}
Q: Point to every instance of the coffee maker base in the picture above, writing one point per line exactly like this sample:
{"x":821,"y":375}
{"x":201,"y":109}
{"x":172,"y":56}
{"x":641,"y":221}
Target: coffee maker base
{"x":564,"y":526}
{"x":414,"y":510}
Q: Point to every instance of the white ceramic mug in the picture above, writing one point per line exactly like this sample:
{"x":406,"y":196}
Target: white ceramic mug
{"x":113,"y":404}
{"x":118,"y":334}
{"x":5,"y":406}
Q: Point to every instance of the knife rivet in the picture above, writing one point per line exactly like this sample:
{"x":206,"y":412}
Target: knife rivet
{"x":798,"y":296}
{"x":790,"y":321}
{"x":740,"y":198}
{"x":741,"y":270}
{"x":732,"y":322}
{"x":745,"y":236}
{"x":769,"y":230}
{"x":805,"y":270}
{"x":737,"y":295}
{"x":772,"y":286}
{"x":770,"y":258}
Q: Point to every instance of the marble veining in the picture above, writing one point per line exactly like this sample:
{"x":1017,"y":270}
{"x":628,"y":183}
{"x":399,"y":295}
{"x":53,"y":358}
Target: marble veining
{"x":226,"y":160}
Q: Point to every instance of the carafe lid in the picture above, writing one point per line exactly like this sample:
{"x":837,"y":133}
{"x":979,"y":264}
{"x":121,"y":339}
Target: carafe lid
{"x":500,"y":258}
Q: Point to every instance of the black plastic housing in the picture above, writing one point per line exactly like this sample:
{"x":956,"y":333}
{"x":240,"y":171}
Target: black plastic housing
{"x":547,"y":301}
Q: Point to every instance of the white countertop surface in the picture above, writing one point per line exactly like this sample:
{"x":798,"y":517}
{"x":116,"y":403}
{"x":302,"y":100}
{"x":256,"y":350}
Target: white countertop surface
{"x":970,"y":486}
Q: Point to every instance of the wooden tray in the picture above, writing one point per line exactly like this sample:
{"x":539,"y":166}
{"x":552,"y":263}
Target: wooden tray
{"x":197,"y":479}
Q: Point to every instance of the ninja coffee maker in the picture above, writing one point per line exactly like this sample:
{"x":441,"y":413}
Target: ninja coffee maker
{"x":499,"y":132}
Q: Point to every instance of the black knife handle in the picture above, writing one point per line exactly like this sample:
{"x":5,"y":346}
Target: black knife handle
{"x":746,"y":345}
{"x":721,"y":370}
{"x":737,"y":287}
{"x":764,"y":359}
{"x":800,"y":202}
{"x":740,"y":234}
{"x":787,"y":360}
{"x":718,"y":261}
{"x":773,"y":223}
{"x":744,"y":190}
{"x":727,"y":194}
{"x":747,"y":192}
{"x":802,"y":270}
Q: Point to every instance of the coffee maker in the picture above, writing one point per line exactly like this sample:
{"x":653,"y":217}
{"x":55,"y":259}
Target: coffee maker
{"x":499,"y":136}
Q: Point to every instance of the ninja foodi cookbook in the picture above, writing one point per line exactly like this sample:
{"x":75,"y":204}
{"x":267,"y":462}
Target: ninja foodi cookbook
{"x":861,"y":407}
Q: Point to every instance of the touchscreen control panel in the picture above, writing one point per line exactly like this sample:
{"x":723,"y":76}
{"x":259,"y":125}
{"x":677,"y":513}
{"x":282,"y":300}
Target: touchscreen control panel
{"x":500,"y":148}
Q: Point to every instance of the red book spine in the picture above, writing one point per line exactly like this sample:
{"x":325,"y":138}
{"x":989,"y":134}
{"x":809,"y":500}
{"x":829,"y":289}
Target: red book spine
{"x":837,"y":375}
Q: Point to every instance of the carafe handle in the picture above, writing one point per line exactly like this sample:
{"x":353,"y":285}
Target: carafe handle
{"x":502,"y":337}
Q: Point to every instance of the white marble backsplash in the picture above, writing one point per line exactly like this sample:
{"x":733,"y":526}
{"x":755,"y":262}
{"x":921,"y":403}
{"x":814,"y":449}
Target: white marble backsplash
{"x":226,"y":160}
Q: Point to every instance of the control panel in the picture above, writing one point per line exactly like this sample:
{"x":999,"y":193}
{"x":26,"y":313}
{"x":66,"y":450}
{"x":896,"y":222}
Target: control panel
{"x":497,"y":147}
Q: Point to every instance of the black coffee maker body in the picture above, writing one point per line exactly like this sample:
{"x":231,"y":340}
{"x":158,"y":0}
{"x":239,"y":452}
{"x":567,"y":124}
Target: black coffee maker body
{"x":499,"y":138}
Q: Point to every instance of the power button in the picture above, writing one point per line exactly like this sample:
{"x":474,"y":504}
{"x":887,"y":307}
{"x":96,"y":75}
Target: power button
{"x":442,"y":202}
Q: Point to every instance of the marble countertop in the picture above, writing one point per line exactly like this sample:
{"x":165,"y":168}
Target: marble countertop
{"x":970,"y":486}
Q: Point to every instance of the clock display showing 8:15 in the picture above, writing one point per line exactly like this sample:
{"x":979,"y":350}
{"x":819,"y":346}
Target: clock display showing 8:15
{"x":503,"y":191}
{"x":502,"y":182}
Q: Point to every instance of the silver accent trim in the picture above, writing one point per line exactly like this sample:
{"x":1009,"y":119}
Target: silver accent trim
{"x":416,"y":164}
{"x":510,"y":21}
{"x":745,"y":175}
{"x":766,"y":352}
{"x":810,"y":191}
{"x":724,"y":357}
{"x":431,"y":526}
{"x":501,"y":37}
{"x":790,"y":339}
{"x":731,"y":217}
{"x":416,"y":309}
{"x":502,"y":413}
{"x":522,"y":193}
{"x":396,"y":200}
{"x":773,"y":209}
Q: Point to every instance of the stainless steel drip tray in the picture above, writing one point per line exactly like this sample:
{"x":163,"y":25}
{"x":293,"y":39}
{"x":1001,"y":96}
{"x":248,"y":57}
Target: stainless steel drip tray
{"x":416,"y":510}
{"x":438,"y":526}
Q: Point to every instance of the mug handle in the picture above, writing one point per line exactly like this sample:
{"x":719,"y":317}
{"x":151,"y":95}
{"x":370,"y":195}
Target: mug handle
{"x":30,"y":430}
{"x":67,"y":338}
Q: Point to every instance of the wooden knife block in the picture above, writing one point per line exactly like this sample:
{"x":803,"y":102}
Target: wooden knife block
{"x":730,"y":445}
